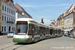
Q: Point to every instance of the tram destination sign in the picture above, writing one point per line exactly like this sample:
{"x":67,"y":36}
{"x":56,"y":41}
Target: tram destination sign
{"x":21,"y":22}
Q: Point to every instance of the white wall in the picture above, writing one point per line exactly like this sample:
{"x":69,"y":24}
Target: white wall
{"x":68,"y":21}
{"x":9,"y":15}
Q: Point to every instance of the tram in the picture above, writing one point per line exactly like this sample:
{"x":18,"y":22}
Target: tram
{"x":27,"y":30}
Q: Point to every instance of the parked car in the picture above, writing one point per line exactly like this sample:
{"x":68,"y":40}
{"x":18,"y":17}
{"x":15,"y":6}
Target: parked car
{"x":10,"y":34}
{"x":71,"y":35}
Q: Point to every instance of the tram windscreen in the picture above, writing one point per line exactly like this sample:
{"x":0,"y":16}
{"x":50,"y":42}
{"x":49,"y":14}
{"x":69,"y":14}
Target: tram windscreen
{"x":21,"y":27}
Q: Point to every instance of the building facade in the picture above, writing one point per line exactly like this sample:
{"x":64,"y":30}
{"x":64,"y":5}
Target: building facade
{"x":63,"y":18}
{"x":7,"y":16}
{"x":61,"y":21}
{"x":68,"y":21}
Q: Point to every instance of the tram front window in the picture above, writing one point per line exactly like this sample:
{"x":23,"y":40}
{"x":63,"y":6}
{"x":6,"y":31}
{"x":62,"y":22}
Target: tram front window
{"x":21,"y":28}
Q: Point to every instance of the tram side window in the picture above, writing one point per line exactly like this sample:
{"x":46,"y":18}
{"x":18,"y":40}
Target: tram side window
{"x":33,"y":29}
{"x":53,"y":31}
{"x":47,"y":31}
{"x":42,"y":30}
{"x":36,"y":29}
{"x":57,"y":31}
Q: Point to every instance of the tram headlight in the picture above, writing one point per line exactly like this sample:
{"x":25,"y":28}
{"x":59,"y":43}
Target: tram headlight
{"x":27,"y":36}
{"x":14,"y":36}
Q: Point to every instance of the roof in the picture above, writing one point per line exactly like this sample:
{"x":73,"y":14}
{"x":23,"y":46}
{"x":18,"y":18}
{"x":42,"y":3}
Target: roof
{"x":19,"y":7}
{"x":71,"y":9}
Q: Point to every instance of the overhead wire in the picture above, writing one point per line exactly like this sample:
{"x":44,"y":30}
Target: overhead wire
{"x":32,"y":8}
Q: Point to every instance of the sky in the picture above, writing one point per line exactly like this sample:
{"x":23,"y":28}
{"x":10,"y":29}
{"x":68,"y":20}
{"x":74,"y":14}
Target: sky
{"x":47,"y":9}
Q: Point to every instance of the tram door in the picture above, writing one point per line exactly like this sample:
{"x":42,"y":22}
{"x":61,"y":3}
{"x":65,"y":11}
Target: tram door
{"x":51,"y":31}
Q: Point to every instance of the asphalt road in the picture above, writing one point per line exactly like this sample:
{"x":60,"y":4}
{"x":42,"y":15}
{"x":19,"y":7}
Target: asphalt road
{"x":4,"y":39}
{"x":60,"y":43}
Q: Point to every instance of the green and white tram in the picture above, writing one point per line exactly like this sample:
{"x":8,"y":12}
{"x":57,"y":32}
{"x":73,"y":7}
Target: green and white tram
{"x":27,"y":30}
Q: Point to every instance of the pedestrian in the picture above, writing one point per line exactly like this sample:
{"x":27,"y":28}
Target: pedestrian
{"x":67,"y":35}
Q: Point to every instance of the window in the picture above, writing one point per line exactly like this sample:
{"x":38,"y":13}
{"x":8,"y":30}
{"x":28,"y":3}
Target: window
{"x":2,"y":7}
{"x":5,"y":8}
{"x":5,"y":18}
{"x":12,"y":28}
{"x":9,"y":19}
{"x":33,"y":29}
{"x":42,"y":31}
{"x":2,"y":28}
{"x":5,"y":28}
{"x":21,"y":27}
{"x":14,"y":13}
{"x":47,"y":30}
{"x":9,"y":10}
{"x":2,"y":17}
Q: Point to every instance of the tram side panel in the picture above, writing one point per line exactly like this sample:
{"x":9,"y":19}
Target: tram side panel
{"x":47,"y":33}
{"x":33,"y":32}
{"x":42,"y":33}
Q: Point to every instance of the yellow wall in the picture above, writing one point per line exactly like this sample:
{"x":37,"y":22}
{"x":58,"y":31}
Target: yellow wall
{"x":61,"y":21}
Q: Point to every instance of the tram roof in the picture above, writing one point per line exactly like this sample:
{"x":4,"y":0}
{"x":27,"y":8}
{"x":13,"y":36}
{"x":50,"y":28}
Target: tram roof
{"x":30,"y":20}
{"x":24,"y":19}
{"x":40,"y":24}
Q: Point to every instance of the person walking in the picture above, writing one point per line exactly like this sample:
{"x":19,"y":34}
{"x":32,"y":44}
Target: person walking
{"x":67,"y":35}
